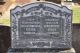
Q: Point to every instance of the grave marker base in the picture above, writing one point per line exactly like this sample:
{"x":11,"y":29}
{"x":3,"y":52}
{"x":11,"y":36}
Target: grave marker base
{"x":41,"y":51}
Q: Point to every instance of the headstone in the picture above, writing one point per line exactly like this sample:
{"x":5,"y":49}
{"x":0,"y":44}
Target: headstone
{"x":41,"y":25}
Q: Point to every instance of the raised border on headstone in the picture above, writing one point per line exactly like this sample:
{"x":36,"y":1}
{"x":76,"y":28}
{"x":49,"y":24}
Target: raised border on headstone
{"x":41,"y":25}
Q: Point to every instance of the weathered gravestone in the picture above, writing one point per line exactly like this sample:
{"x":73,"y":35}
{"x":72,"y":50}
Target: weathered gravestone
{"x":41,"y":25}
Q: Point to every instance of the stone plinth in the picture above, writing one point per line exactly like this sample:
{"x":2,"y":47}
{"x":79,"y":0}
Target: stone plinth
{"x":72,"y":50}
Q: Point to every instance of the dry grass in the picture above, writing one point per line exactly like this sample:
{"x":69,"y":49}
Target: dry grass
{"x":76,"y":14}
{"x":5,"y":21}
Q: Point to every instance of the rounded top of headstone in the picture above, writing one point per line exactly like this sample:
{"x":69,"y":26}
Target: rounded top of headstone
{"x":43,"y":3}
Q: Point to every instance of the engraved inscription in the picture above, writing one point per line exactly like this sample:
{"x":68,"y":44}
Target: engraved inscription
{"x":41,"y":25}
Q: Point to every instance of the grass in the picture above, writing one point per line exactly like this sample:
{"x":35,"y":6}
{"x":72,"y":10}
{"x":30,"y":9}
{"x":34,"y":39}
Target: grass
{"x":76,"y":14}
{"x":5,"y":21}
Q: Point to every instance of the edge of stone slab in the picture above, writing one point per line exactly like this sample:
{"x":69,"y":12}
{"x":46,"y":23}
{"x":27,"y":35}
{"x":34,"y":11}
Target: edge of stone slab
{"x":72,"y":50}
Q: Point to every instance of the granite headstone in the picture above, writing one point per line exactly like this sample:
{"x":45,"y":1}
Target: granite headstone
{"x":41,"y":25}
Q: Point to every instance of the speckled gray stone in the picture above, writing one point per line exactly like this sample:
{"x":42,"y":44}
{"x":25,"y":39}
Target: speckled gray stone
{"x":41,"y":25}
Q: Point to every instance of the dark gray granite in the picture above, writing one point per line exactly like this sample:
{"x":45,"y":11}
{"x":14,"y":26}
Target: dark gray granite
{"x":41,"y":25}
